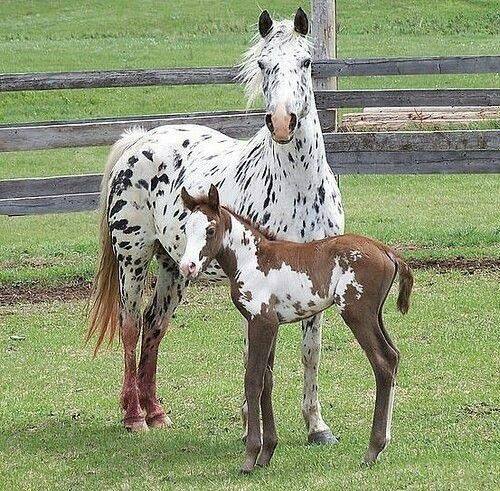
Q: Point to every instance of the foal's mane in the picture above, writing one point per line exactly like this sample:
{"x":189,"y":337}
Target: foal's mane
{"x":253,"y":226}
{"x":282,"y":32}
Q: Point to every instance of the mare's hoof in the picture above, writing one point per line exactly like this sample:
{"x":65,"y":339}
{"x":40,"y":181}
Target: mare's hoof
{"x":325,"y":437}
{"x":136,"y":426}
{"x":159,"y":421}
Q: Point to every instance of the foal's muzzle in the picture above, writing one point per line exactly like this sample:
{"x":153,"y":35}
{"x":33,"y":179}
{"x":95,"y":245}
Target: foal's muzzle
{"x":189,"y":270}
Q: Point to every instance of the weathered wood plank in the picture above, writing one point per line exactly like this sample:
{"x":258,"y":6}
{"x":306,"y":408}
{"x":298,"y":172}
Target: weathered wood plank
{"x":49,"y":204}
{"x":415,"y":162}
{"x":340,"y":162}
{"x":117,"y":78}
{"x":227,"y":75}
{"x":413,"y":141}
{"x":106,"y":131}
{"x":413,"y":97}
{"x":36,"y":136}
{"x":50,"y":186}
{"x":406,"y":66}
{"x":324,"y":38}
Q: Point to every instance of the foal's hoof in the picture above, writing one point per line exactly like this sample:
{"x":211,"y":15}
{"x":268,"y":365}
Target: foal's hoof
{"x":159,"y":421}
{"x":325,"y":437}
{"x":136,"y":426}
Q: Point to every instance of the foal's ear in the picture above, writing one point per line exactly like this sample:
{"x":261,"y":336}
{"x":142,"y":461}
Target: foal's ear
{"x":213,"y":198}
{"x":265,"y":23}
{"x":188,"y":200}
{"x":301,"y":23}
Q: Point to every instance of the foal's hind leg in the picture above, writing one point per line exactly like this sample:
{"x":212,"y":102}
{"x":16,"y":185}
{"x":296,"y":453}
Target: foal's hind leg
{"x":166,"y":298}
{"x":384,"y":360}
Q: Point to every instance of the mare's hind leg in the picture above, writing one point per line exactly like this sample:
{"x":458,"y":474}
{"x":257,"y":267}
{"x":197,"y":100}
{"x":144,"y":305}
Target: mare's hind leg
{"x":132,"y":273}
{"x":384,"y":358}
{"x":166,"y":298}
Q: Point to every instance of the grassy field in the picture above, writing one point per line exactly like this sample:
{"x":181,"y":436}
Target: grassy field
{"x":60,"y":422}
{"x":435,"y":216}
{"x":59,"y":417}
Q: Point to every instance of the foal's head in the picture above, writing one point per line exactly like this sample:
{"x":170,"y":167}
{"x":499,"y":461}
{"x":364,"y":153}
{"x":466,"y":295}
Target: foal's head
{"x":279,"y":65}
{"x":205,"y":228}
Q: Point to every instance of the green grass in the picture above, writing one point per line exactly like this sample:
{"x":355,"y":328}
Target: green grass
{"x":60,"y":422}
{"x":438,"y":216}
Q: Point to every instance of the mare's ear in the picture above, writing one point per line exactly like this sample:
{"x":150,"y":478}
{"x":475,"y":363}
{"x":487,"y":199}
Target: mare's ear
{"x":187,"y":199}
{"x":213,"y":198}
{"x":300,"y":23}
{"x":265,"y":23}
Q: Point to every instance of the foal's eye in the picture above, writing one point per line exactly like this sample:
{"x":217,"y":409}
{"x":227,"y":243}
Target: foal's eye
{"x":210,"y":232}
{"x":306,"y":63}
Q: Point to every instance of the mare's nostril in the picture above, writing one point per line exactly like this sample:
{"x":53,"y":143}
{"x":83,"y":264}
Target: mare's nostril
{"x":293,"y":121}
{"x":191,"y":267}
{"x":269,"y":123}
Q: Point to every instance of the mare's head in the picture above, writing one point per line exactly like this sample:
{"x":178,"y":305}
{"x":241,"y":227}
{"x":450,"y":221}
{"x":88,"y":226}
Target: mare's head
{"x":205,"y":228}
{"x":279,"y":67}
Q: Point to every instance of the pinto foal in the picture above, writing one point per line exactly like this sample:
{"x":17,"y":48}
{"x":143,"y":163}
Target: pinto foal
{"x":274,"y":282}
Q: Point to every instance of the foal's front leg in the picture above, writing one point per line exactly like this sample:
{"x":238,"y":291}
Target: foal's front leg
{"x":261,"y":335}
{"x":318,"y":430}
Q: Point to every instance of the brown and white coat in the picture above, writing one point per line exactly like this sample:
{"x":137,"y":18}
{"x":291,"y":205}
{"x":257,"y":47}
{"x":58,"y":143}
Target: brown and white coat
{"x":275,"y":282}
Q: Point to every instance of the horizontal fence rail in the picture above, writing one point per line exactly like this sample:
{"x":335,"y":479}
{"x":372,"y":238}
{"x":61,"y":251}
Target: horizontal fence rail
{"x":227,"y":75}
{"x":237,"y":124}
{"x":326,"y":99}
{"x":347,"y":153}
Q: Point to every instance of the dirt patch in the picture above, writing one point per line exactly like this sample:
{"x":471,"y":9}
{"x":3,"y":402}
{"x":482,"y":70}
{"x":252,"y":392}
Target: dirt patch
{"x":33,"y":293}
{"x":467,"y":266}
{"x":80,"y":289}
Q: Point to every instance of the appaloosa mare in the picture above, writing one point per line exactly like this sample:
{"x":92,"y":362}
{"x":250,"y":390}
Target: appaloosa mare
{"x":280,"y":178}
{"x":275,"y":282}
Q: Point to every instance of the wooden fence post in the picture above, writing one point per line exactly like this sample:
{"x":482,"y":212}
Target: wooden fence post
{"x":324,"y":36}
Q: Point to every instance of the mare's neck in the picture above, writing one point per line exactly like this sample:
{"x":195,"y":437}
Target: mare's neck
{"x":300,"y":163}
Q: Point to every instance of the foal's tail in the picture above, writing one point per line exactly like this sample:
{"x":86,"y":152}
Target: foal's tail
{"x":104,"y":308}
{"x":405,"y":284}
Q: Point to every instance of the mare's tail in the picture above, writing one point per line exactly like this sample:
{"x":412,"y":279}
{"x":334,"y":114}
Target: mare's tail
{"x":105,"y":301}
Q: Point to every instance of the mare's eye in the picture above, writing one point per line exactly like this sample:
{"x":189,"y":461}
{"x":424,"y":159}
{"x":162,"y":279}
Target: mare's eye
{"x":261,"y":64}
{"x":211,"y":232}
{"x":306,"y":63}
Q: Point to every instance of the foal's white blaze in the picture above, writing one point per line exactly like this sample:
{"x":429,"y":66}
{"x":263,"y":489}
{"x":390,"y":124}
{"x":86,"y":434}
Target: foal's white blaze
{"x":196,"y":238}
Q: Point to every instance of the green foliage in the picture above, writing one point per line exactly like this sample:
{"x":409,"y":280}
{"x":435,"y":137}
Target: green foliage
{"x":60,"y":421}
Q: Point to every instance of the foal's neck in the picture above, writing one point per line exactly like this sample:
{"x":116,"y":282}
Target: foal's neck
{"x":241,"y":243}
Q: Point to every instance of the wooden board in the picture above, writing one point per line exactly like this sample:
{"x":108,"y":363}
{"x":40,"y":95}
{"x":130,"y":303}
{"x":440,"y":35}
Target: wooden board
{"x":409,"y":98}
{"x":49,"y":204}
{"x":227,"y":75}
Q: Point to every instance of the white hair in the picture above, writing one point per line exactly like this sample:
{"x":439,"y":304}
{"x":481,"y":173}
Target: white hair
{"x":250,"y":74}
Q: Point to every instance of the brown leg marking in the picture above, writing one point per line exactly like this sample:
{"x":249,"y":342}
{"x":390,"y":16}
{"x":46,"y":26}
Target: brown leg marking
{"x":260,"y":340}
{"x":133,"y":418}
{"x":151,"y":338}
{"x":384,"y":361}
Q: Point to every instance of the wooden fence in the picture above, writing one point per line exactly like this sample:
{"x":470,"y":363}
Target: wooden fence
{"x":471,"y":151}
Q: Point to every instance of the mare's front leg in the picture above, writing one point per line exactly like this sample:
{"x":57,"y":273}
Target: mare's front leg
{"x":166,"y":298}
{"x":261,"y":336}
{"x":318,"y":431}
